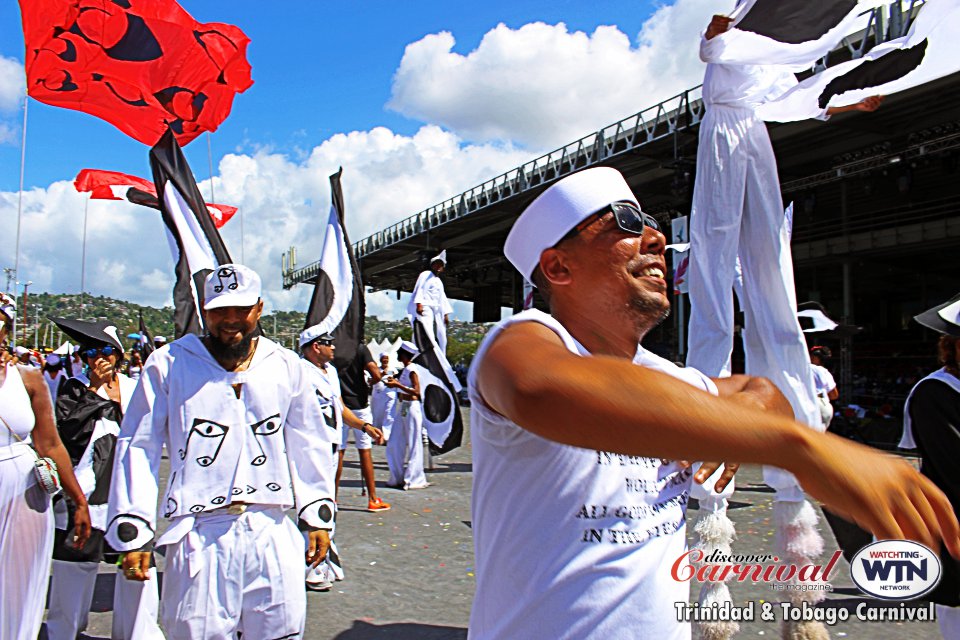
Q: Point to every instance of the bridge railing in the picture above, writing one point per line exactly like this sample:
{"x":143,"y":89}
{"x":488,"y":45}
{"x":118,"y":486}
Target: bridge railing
{"x":671,"y":115}
{"x":662,"y":119}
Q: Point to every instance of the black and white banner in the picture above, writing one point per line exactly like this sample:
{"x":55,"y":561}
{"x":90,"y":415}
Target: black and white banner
{"x":195,"y":243}
{"x":793,"y":33}
{"x":441,"y":411}
{"x":337,"y":305}
{"x":146,"y":339}
{"x":930,"y":50}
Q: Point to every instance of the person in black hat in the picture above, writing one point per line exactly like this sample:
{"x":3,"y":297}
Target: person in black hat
{"x":931,"y":424}
{"x":89,"y":409}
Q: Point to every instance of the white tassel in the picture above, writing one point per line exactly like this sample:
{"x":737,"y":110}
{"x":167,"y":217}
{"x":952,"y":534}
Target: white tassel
{"x":804,"y":630}
{"x":715,"y":594}
{"x":797,"y":536}
{"x":798,"y":541}
{"x":715,"y":532}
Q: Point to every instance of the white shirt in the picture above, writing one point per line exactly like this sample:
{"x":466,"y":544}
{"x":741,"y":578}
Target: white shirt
{"x":261,"y":448}
{"x":823,"y":380}
{"x":745,"y":86}
{"x":570,"y":542}
{"x":326,"y":385}
{"x":429,"y":292}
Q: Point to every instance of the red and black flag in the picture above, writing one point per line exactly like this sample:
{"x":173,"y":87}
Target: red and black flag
{"x":142,"y":65}
{"x":441,"y":411}
{"x":101,"y":185}
{"x":195,"y":243}
{"x":337,"y":305}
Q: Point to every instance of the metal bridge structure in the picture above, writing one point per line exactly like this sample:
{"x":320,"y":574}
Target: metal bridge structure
{"x":876,"y":197}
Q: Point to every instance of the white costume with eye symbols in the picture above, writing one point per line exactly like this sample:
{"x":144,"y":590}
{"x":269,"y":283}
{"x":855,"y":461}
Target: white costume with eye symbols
{"x":244,"y":447}
{"x":326,"y":383}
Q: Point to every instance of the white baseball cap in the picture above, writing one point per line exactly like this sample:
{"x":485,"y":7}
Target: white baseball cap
{"x":231,"y":285}
{"x":316,"y":332}
{"x":409,"y":347}
{"x":558,"y":210}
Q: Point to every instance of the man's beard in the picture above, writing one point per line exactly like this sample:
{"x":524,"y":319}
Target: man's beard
{"x":653,"y":310}
{"x":226,"y":352}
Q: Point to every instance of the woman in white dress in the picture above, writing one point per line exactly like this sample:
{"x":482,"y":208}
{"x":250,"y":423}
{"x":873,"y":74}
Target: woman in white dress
{"x":26,"y":515}
{"x":405,"y":447}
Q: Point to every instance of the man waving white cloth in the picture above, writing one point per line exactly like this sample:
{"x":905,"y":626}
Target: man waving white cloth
{"x":238,"y":417}
{"x":429,"y":303}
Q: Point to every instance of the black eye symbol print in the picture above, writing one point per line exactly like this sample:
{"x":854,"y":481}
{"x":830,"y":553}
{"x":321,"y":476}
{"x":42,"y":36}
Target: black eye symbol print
{"x":264,"y":429}
{"x":205,"y":439}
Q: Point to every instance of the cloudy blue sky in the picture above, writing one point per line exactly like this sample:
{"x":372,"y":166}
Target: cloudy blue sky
{"x":416,"y":100}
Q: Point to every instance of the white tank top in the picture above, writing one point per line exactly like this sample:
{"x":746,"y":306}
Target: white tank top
{"x":15,"y":407}
{"x":570,"y":542}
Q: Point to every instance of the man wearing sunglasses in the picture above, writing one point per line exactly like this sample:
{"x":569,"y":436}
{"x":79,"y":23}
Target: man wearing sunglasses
{"x":578,"y":511}
{"x":89,"y":409}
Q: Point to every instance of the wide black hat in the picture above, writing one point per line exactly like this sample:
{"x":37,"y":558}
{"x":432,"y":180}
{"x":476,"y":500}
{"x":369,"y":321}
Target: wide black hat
{"x":943,"y":318}
{"x":90,"y":331}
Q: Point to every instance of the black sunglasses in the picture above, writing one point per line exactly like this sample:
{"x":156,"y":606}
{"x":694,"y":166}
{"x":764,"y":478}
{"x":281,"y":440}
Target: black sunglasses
{"x":105,"y":351}
{"x":629,"y":218}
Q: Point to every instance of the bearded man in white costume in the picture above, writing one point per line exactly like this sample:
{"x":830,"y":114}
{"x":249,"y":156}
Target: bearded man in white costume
{"x":429,"y":303}
{"x":239,"y":418}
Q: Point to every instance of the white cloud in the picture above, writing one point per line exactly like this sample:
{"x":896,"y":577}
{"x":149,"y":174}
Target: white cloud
{"x":12,"y":84}
{"x":386,"y":177}
{"x":542,"y":85}
{"x":8,"y":134}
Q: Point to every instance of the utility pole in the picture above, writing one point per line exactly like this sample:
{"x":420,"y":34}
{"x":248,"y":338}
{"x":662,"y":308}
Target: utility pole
{"x":26,"y":309}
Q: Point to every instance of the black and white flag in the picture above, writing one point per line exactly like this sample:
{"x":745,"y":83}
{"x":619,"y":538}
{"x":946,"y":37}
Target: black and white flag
{"x":146,"y":339}
{"x":195,"y":243}
{"x":441,"y":411}
{"x":337,"y":305}
{"x":930,"y":50}
{"x":793,"y":33}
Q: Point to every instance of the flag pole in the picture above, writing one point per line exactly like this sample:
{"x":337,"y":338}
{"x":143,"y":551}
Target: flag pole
{"x":23,"y":158}
{"x":83,"y":256}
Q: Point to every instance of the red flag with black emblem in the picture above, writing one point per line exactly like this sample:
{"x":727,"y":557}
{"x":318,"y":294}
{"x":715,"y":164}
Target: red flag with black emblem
{"x":101,"y":184}
{"x":142,"y":65}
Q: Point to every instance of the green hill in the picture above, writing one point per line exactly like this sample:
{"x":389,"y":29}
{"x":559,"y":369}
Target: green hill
{"x":282,"y":326}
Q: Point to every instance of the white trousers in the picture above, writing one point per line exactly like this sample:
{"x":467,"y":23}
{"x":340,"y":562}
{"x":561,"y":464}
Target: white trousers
{"x":135,"y":604}
{"x":737,"y":210}
{"x":405,"y":448}
{"x":382,"y":404}
{"x":26,"y":545}
{"x":433,"y":321}
{"x":235,"y":573}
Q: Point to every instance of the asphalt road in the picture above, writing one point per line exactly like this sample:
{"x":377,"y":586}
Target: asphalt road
{"x":410,"y":574}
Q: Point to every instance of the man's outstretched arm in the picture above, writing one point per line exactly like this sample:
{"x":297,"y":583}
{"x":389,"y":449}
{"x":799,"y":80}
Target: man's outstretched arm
{"x":613,"y":405}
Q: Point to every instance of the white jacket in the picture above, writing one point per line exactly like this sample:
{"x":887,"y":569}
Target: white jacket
{"x":267,"y":447}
